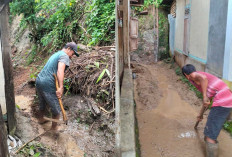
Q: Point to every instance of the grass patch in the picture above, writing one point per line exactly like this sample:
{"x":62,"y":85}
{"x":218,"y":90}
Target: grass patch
{"x":34,"y":149}
{"x":137,"y":144}
{"x":185,"y":80}
{"x":228,"y":127}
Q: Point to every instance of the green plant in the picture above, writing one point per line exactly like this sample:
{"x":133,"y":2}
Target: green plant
{"x":32,"y":149}
{"x":55,"y":22}
{"x":178,"y":71}
{"x":163,"y":36}
{"x":101,"y":21}
{"x":102,"y":96}
{"x":67,"y":85}
{"x":32,"y":55}
{"x":147,"y":3}
{"x":228,"y":127}
{"x":34,"y":72}
{"x":51,"y":22}
{"x":102,"y":74}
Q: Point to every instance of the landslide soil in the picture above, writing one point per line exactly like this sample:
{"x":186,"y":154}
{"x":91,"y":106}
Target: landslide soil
{"x":166,"y":112}
{"x":85,"y":135}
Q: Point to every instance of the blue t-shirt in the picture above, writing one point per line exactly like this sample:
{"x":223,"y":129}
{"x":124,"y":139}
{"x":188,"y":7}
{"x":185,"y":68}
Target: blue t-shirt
{"x":45,"y":80}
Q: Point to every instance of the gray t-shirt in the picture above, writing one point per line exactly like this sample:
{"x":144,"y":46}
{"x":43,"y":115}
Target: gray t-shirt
{"x":45,"y":80}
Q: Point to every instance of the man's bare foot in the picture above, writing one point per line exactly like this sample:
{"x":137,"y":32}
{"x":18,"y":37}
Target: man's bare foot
{"x":41,"y":117}
{"x":54,"y":128}
{"x":42,"y":121}
{"x":55,"y":124}
{"x":57,"y":129}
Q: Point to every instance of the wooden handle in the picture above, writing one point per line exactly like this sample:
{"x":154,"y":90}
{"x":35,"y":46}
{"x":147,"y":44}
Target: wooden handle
{"x":203,"y":109}
{"x":60,"y":101}
{"x":195,"y":127}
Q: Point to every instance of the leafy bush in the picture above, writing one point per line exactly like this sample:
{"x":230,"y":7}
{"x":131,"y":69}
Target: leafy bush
{"x":228,"y":127}
{"x":55,"y":22}
{"x":163,"y":36}
{"x":147,"y":3}
{"x":34,"y":149}
{"x":50,"y":21}
{"x":101,"y":21}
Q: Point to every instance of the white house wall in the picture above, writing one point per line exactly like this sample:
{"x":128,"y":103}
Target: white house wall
{"x":227,"y":67}
{"x":217,"y":36}
{"x":179,"y":33}
{"x":2,"y":84}
{"x":199,"y":23}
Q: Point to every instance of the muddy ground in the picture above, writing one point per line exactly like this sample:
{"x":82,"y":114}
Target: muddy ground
{"x":84,"y":135}
{"x":166,"y":112}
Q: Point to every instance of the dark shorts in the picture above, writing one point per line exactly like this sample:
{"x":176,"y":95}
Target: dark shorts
{"x":216,"y":119}
{"x":50,"y":99}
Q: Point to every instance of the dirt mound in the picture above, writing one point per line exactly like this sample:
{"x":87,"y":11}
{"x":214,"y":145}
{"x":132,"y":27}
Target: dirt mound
{"x":93,"y":75}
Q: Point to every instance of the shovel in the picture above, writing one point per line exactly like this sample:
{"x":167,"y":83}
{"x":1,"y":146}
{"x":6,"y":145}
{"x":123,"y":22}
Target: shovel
{"x":203,"y":109}
{"x":60,"y":101}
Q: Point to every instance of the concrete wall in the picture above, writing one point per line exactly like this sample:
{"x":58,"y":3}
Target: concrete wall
{"x":127,"y":116}
{"x":217,"y":35}
{"x":172,"y":24}
{"x":179,"y":28}
{"x":2,"y":84}
{"x":227,"y":68}
{"x":182,"y":59}
{"x":199,"y":22}
{"x":198,"y":32}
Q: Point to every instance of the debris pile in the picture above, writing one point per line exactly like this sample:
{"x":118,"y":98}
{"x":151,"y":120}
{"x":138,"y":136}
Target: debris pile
{"x":92,"y":75}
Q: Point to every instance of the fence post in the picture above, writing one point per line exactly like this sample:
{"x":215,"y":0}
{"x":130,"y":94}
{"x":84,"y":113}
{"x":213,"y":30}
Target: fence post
{"x":7,"y":66}
{"x":3,"y":137}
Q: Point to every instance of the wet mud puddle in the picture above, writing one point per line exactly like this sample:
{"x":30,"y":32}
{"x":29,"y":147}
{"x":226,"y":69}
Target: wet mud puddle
{"x":166,"y":130}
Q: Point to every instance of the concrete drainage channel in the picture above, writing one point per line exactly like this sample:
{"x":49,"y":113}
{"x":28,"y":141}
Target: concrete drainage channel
{"x":127,"y":138}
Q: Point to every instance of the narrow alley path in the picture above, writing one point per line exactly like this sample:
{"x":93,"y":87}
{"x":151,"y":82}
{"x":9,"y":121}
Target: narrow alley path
{"x":166,"y":112}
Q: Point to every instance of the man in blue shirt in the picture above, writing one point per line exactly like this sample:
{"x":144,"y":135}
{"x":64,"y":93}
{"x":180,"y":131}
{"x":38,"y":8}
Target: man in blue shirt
{"x":45,"y":82}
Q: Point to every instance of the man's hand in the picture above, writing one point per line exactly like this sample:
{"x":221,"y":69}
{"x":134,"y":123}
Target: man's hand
{"x":59,"y":92}
{"x":206,"y":101}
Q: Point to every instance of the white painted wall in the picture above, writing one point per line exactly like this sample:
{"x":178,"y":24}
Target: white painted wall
{"x":2,"y":84}
{"x":199,"y":24}
{"x":227,"y":68}
{"x":179,"y":28}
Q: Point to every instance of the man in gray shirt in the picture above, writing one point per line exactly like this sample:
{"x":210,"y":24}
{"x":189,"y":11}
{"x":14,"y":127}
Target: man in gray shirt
{"x":45,"y":82}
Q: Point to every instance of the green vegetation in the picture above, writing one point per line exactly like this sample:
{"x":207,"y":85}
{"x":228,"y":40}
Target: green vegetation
{"x":163,"y":35}
{"x":55,"y":22}
{"x":101,"y":21}
{"x":33,"y":149}
{"x":67,"y":86}
{"x":138,"y":151}
{"x":163,"y":26}
{"x":148,"y":3}
{"x":228,"y":127}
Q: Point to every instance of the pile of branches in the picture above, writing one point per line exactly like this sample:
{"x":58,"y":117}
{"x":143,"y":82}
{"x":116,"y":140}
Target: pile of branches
{"x":92,"y":75}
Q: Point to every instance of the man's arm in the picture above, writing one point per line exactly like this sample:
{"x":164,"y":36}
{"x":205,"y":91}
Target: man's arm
{"x":203,"y":82}
{"x":60,"y":77}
